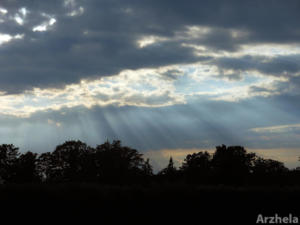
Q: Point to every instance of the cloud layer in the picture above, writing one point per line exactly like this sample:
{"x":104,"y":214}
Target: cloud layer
{"x":62,"y":42}
{"x":156,"y":74}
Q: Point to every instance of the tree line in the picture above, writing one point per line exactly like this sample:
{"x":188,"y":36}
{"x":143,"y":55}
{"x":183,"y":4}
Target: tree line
{"x":112,"y":163}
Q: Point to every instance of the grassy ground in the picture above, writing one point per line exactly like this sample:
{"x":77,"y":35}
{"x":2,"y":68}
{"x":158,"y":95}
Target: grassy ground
{"x":180,"y":204}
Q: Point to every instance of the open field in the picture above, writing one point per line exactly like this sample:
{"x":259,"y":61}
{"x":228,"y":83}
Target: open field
{"x":147,"y":205}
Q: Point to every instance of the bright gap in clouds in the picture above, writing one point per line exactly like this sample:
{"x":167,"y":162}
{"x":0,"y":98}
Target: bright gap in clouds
{"x":163,"y":86}
{"x":3,"y":11}
{"x":146,"y":87}
{"x":20,"y":17}
{"x":155,"y":75}
{"x":277,"y":129}
{"x":4,"y":38}
{"x":44,"y":26}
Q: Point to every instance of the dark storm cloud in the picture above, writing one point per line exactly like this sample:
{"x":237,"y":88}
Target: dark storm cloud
{"x":102,"y":41}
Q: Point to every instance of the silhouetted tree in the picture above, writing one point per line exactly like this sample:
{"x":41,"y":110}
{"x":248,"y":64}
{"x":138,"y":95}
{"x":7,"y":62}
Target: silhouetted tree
{"x":68,"y":162}
{"x":197,"y":162}
{"x":26,"y":170}
{"x":73,"y":158}
{"x":170,"y":170}
{"x":170,"y":173}
{"x":147,"y":168}
{"x":267,"y":166}
{"x":74,"y":161}
{"x":47,"y":168}
{"x":117,"y":163}
{"x":8,"y":158}
{"x":196,"y":167}
{"x":232,"y":160}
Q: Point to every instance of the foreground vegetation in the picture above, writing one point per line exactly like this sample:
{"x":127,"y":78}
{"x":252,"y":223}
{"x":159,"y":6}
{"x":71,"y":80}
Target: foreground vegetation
{"x":113,"y":183}
{"x":112,"y":163}
{"x":155,"y":204}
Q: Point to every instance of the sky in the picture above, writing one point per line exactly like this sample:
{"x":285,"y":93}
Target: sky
{"x":166,"y":77}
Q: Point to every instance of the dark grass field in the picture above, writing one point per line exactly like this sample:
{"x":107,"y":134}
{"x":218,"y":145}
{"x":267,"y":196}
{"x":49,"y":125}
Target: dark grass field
{"x":161,"y":204}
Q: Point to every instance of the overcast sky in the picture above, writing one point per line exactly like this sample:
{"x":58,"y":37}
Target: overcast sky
{"x":167,"y":77}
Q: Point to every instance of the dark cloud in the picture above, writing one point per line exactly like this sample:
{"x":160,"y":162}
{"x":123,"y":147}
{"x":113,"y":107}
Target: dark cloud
{"x":277,"y":66}
{"x":102,"y":41}
{"x":230,"y":76}
{"x":258,"y":89}
{"x":289,"y":88}
{"x":172,"y":74}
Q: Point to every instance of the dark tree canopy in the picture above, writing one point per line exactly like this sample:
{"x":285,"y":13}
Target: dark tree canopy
{"x":113,"y":163}
{"x":8,"y":158}
{"x":71,"y":158}
{"x":170,"y":173}
{"x":147,"y":168}
{"x":170,"y":169}
{"x":267,"y":166}
{"x":232,"y":160}
{"x":197,"y":162}
{"x":68,"y":162}
{"x":26,"y":168}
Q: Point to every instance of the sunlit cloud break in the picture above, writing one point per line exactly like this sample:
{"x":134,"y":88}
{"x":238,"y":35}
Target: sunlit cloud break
{"x":164,"y":86}
{"x":156,"y":74}
{"x":277,"y":129}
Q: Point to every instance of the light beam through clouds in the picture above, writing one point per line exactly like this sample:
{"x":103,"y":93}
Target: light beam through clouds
{"x":157,"y":75}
